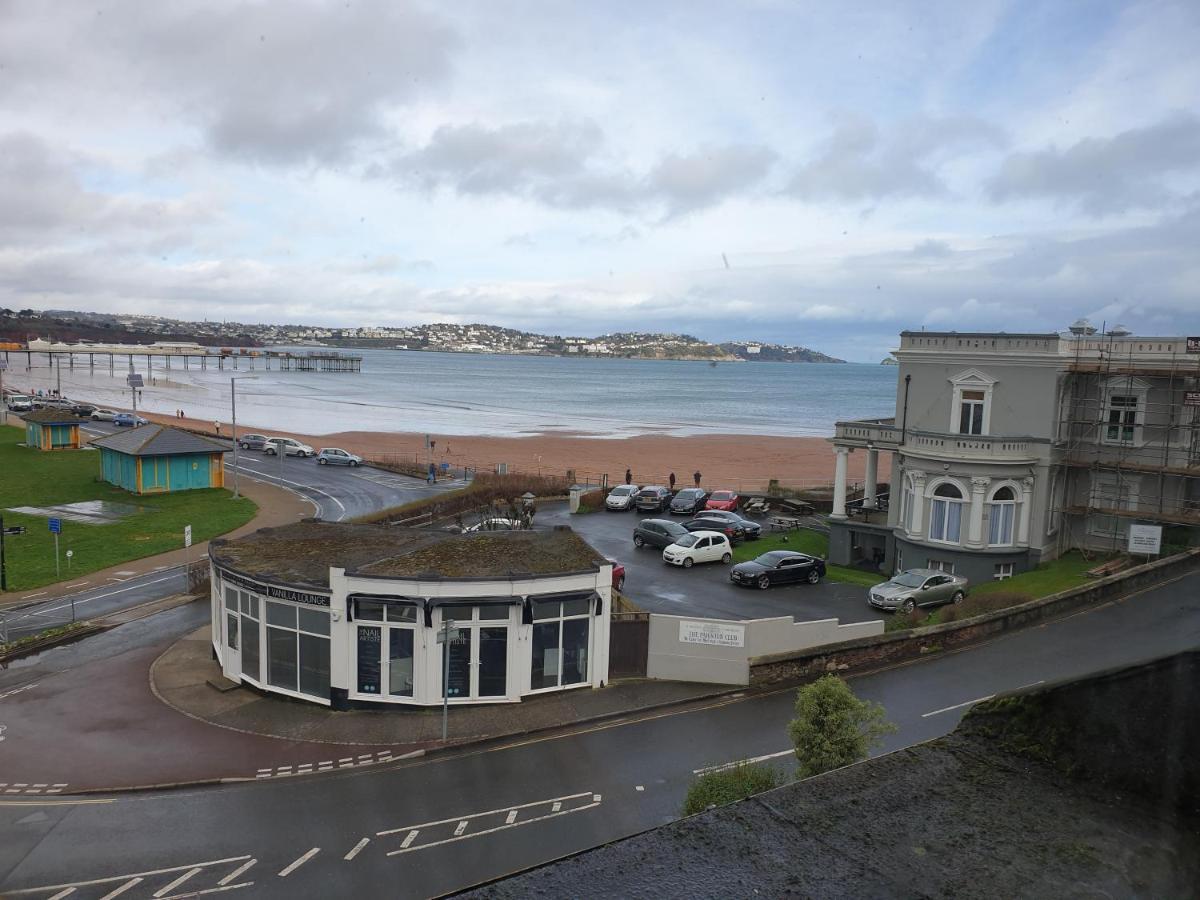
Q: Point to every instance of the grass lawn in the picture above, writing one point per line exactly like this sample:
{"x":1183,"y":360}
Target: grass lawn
{"x":1068,"y":571}
{"x":803,"y":541}
{"x":33,"y":478}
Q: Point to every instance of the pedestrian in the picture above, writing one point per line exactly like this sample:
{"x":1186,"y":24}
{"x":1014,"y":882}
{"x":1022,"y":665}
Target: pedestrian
{"x":671,"y":480}
{"x":628,"y":477}
{"x":217,"y":426}
{"x":696,"y":477}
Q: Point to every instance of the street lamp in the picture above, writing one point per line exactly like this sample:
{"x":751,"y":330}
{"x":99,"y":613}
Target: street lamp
{"x":3,"y":402}
{"x":233,"y":410}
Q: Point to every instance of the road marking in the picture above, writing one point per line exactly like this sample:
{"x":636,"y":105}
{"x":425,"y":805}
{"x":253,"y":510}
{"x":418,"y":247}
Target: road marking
{"x":462,"y":826}
{"x":475,"y":834}
{"x":109,"y":880}
{"x":24,"y":687}
{"x":236,"y":872}
{"x":132,"y":882}
{"x":357,"y":847}
{"x":308,"y":487}
{"x":409,"y":838}
{"x":639,"y":788}
{"x":62,"y":894}
{"x":111,"y":593}
{"x":166,"y":889}
{"x":76,"y":584}
{"x":38,"y":594}
{"x":556,"y":807}
{"x":490,"y":812}
{"x":295,"y":864}
{"x":741,"y":762}
{"x":957,"y":706}
{"x":512,"y":817}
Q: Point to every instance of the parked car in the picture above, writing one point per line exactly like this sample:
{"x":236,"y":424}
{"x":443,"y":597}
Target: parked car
{"x":778,"y":567}
{"x":726,"y":528}
{"x":726,"y":500}
{"x":287,"y":446}
{"x":622,"y":497}
{"x":918,"y":587}
{"x":618,"y":578}
{"x":104,"y":415}
{"x":332,"y":456}
{"x":653,"y":498}
{"x":698,"y":547}
{"x":84,"y":410}
{"x":128,"y":420}
{"x":496,"y":523}
{"x":253,"y":442}
{"x":689,"y":501}
{"x":720,"y":520}
{"x":19,"y":403}
{"x":657,"y":532}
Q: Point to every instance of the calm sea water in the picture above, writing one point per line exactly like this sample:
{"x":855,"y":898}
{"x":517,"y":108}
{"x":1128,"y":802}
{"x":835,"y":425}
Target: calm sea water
{"x":458,"y":393}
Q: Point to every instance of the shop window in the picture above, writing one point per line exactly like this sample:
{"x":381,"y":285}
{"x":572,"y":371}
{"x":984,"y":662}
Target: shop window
{"x":250,"y":637}
{"x":1002,"y":571}
{"x":1001,"y":514}
{"x":945,"y":514}
{"x":561,"y":634}
{"x":400,"y":662}
{"x":298,"y":649}
{"x":231,"y":631}
{"x":369,"y":638}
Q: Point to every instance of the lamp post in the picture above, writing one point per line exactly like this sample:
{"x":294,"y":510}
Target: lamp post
{"x":3,"y":402}
{"x":233,"y":425}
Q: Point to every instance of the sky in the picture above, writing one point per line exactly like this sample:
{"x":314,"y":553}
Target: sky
{"x":817,"y":173}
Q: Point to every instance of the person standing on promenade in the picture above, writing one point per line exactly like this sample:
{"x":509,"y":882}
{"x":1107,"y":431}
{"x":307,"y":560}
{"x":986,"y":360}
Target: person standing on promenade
{"x":628,"y":477}
{"x":217,"y":426}
{"x":671,"y":481}
{"x":696,"y":477}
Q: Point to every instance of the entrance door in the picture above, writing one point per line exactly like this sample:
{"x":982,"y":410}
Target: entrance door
{"x":478,"y":664}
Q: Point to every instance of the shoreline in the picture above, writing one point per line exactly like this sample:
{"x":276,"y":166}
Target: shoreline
{"x":740,"y":462}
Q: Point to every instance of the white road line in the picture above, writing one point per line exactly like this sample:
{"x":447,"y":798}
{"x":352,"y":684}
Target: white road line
{"x":132,"y":882}
{"x":357,"y":847}
{"x":490,"y":812}
{"x":512,"y":817}
{"x":236,"y":872}
{"x":38,"y":594}
{"x":741,"y":762}
{"x":24,"y":687}
{"x":957,"y":706}
{"x":307,"y":487}
{"x":293,"y":866}
{"x":76,"y":584}
{"x":639,"y":788}
{"x":79,"y":884}
{"x":462,"y":826}
{"x":1031,"y":684}
{"x":166,"y":889}
{"x":112,"y":593}
{"x":63,"y":893}
{"x":475,"y":834}
{"x":409,"y":838}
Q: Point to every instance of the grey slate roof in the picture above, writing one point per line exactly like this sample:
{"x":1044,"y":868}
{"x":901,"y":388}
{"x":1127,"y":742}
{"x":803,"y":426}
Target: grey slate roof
{"x":49,"y":416}
{"x":156,"y":440}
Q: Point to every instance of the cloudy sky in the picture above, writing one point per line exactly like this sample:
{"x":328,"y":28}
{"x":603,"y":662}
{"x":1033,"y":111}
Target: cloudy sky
{"x":821,"y":173}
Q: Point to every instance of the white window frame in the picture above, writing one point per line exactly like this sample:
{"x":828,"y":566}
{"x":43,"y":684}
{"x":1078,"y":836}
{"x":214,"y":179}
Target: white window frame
{"x":1002,"y":507}
{"x":1104,"y":486}
{"x":562,"y":620}
{"x":971,"y":380}
{"x":961,"y":502}
{"x":940,"y":565}
{"x":1003,"y":571}
{"x":1139,"y":390}
{"x":908,"y":503}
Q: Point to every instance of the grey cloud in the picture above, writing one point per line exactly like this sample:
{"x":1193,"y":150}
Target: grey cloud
{"x":932,"y":248}
{"x":709,"y":175}
{"x":1105,"y":175}
{"x":859,"y":162}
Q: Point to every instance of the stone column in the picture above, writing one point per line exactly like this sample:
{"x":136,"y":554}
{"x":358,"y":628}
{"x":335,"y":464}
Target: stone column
{"x":839,"y":482}
{"x":1026,"y":511}
{"x":871,"y":477}
{"x":918,"y":514}
{"x":979,"y":487}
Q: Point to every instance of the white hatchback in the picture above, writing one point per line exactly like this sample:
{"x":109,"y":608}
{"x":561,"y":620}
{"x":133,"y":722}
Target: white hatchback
{"x":698,"y":547}
{"x":289,"y":446}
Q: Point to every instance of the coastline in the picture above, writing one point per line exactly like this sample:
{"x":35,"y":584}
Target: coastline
{"x":733,"y":461}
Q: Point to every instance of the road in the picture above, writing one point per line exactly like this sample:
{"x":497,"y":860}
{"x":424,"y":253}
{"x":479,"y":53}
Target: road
{"x":429,"y":826}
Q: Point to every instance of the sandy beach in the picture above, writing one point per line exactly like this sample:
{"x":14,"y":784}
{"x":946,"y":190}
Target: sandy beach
{"x":737,"y":462}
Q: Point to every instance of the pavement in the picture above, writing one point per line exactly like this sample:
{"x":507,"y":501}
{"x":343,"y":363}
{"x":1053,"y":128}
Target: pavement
{"x":703,"y":590}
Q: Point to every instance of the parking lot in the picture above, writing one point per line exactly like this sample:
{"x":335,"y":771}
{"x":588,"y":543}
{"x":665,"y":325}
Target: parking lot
{"x":703,"y":590}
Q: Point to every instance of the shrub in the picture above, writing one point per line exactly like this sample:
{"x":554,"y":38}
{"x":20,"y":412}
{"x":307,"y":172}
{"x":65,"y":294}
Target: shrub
{"x":833,"y":727}
{"x":729,"y":786}
{"x":902,"y":621}
{"x":983,"y":603}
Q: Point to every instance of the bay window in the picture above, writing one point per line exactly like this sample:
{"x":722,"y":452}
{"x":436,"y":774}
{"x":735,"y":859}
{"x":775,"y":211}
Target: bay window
{"x":945,"y":514}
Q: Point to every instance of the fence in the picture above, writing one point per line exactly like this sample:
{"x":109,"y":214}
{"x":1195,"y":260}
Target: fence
{"x":27,"y":621}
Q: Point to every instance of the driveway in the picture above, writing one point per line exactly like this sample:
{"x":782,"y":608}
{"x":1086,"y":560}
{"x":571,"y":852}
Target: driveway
{"x":703,"y":590}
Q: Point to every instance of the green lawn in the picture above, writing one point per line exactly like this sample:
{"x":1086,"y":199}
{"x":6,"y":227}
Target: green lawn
{"x":1068,"y":571}
{"x":33,"y":478}
{"x":804,"y":541}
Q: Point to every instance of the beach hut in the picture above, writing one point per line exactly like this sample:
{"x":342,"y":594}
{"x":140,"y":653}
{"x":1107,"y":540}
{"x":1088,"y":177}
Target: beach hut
{"x":154,"y":459}
{"x":52,"y":429}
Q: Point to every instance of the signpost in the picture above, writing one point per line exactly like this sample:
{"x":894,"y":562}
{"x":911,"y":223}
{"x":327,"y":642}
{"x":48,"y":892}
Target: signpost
{"x":3,"y":403}
{"x":187,"y":556}
{"x":1145,"y":540}
{"x":56,"y":530}
{"x":134,"y":381}
{"x":445,"y":636}
{"x":12,"y":529}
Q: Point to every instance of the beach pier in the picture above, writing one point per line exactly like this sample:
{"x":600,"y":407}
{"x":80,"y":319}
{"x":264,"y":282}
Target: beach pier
{"x":169,"y":356}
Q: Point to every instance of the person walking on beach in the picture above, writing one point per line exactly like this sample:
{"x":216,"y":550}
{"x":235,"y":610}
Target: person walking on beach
{"x":628,"y":477}
{"x":671,"y":480}
{"x":696,"y":477}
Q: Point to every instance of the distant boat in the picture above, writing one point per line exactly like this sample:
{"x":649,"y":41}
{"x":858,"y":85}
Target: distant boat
{"x":713,"y":363}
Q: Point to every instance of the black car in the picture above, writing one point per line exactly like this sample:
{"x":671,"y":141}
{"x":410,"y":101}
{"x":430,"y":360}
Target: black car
{"x":657,"y":532}
{"x":83,"y":409}
{"x":720,"y":520}
{"x":689,"y":501}
{"x":778,"y":567}
{"x":706,"y":524}
{"x":653,"y":498}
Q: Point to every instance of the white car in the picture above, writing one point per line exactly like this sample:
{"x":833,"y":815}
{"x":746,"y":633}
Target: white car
{"x":104,"y":415}
{"x":20,"y":403}
{"x":290,"y":447}
{"x":495,"y":524}
{"x":621,"y":497}
{"x":698,"y":547}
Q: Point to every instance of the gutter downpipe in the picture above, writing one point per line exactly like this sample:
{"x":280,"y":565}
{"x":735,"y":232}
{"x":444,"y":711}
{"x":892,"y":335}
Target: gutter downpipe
{"x":904,"y":420}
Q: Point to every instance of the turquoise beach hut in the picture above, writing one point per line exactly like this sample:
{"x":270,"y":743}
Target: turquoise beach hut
{"x":155,"y":459}
{"x":51,"y":429}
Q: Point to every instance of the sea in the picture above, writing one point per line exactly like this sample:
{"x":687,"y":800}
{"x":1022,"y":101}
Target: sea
{"x":485,"y":394}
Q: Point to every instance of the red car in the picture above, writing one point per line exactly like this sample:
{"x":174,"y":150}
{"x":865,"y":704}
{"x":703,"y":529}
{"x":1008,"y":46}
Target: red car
{"x":726,"y":500}
{"x":618,"y":581}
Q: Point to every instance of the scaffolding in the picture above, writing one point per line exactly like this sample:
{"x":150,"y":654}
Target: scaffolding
{"x":1129,"y":436}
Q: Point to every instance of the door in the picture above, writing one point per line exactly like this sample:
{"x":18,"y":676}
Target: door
{"x":702,"y":552}
{"x":790,"y":570}
{"x":478,"y":665}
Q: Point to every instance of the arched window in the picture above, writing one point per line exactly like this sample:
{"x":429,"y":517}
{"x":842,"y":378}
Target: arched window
{"x":910,"y":500}
{"x":945,"y":513}
{"x":1003,"y":506}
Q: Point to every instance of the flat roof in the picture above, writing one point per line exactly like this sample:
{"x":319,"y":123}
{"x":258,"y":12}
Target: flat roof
{"x":51,"y":416}
{"x":1052,"y":336}
{"x":303,"y":553}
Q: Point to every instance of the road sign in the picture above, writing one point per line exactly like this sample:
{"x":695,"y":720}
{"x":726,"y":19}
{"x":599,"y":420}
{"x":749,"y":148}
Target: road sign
{"x":1145,"y":540}
{"x":56,"y":526}
{"x":451,"y":634}
{"x":15,"y":529}
{"x":187,"y":535}
{"x":134,"y":380}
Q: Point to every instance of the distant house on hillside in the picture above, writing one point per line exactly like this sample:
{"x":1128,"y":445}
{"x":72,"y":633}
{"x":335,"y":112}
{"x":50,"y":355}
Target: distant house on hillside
{"x":52,"y":429}
{"x":155,"y":459}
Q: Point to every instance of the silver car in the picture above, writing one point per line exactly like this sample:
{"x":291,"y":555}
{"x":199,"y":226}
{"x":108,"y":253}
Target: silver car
{"x":917,"y":587}
{"x":333,"y":456}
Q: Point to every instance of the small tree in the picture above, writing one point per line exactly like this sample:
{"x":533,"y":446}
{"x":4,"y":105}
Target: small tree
{"x":834,"y":728}
{"x":729,"y":786}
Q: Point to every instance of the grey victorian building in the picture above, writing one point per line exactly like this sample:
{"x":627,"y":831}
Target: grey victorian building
{"x":1009,"y":449}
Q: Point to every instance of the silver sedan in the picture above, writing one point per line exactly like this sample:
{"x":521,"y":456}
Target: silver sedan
{"x":918,"y":587}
